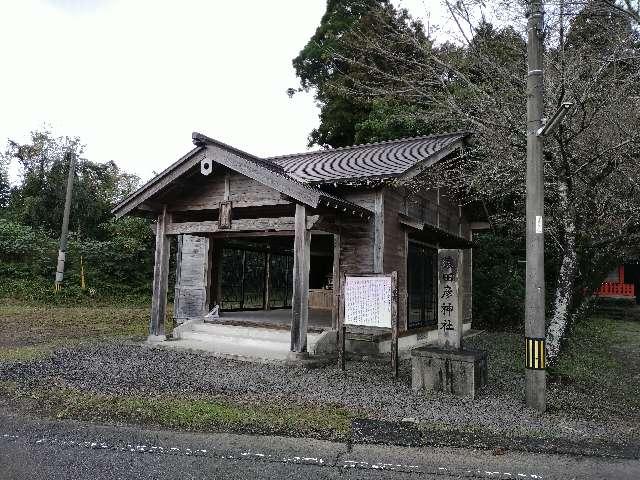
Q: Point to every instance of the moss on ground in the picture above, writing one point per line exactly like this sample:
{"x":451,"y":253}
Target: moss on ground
{"x":184,"y":412}
{"x":600,"y":362}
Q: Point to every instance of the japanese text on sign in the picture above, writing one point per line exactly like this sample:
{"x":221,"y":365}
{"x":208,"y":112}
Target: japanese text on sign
{"x":449,"y":298}
{"x":367,"y":301}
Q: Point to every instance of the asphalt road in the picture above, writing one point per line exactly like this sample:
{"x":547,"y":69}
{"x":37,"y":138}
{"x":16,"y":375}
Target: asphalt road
{"x":35,"y":449}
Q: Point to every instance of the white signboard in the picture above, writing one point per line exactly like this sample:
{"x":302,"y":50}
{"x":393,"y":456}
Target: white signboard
{"x":367,"y":301}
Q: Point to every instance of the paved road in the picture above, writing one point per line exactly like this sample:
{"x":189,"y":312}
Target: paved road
{"x":34,"y":449}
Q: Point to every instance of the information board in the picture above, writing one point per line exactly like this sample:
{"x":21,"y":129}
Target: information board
{"x":367,"y":301}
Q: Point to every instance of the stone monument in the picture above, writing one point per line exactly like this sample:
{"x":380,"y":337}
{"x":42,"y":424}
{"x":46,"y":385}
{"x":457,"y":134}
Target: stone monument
{"x":447,"y":366}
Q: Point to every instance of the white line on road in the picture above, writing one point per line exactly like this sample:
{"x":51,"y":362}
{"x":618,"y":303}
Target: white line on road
{"x":355,"y":464}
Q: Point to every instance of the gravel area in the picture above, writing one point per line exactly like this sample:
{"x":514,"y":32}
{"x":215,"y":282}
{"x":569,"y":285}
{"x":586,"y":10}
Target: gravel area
{"x":366,"y":388}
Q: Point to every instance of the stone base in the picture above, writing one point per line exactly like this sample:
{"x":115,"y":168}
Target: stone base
{"x":297,"y":356}
{"x":156,"y":338}
{"x":459,"y":372}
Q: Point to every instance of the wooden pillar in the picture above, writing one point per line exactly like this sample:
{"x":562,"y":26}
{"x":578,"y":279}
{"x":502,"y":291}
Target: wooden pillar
{"x":378,"y":233}
{"x":335,"y":313}
{"x":160,"y":279}
{"x":267,"y":281}
{"x":621,"y":274}
{"x":215,"y":272}
{"x":300,"y":300}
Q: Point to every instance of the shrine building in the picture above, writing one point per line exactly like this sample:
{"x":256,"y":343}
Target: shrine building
{"x":269,"y":240}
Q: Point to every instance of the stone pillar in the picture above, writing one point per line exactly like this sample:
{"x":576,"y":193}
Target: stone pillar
{"x":451,"y":309}
{"x":160,"y":279}
{"x":300,"y":300}
{"x":448,"y":367}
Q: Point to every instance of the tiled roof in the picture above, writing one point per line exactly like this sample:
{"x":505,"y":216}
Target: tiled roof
{"x":373,"y":160}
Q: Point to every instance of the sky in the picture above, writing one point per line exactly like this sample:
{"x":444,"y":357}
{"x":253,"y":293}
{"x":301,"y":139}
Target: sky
{"x":134,"y":78}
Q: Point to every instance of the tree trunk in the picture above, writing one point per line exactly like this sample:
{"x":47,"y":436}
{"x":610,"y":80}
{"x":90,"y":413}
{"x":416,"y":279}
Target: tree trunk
{"x":564,"y":294}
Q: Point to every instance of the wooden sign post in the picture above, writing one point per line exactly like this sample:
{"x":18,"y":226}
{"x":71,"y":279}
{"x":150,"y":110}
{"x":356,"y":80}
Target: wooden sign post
{"x":369,"y":301}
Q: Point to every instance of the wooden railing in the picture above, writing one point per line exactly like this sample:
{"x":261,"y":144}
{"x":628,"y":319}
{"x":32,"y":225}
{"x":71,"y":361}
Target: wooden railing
{"x":320,"y":298}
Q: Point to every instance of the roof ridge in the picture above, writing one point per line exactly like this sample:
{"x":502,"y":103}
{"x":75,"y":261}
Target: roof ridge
{"x":371,"y":144}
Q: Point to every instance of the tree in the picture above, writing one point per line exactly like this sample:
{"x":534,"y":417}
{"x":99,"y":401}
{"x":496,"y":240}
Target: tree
{"x":39,"y":199}
{"x":116,"y":254}
{"x":592,"y":175}
{"x":346,"y":119}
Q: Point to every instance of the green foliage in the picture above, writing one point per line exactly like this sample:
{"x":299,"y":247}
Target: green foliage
{"x":389,"y":120}
{"x":346,"y":119}
{"x":498,"y":283}
{"x":116,"y":255}
{"x":39,"y":200}
{"x":119,"y":266}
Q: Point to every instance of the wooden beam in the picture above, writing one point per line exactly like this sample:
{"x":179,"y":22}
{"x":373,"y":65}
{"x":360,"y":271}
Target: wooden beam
{"x":300,"y":300}
{"x":160,"y":279}
{"x":216,"y":274}
{"x":227,"y":186}
{"x":239,"y":225}
{"x":281,"y":224}
{"x":158,"y":182}
{"x":336,"y":282}
{"x":213,"y":205}
{"x":259,"y":172}
{"x":480,"y":226}
{"x":378,"y":233}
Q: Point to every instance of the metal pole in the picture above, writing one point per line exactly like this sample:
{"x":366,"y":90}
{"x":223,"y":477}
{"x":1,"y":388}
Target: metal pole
{"x":535,"y":374}
{"x":62,"y":251}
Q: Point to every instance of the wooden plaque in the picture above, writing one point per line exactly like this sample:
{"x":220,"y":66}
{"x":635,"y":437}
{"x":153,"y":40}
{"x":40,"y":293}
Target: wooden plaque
{"x":224,"y":220}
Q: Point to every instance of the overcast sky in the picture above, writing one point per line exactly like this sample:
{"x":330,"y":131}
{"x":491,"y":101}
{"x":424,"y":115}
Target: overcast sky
{"x":134,"y":78}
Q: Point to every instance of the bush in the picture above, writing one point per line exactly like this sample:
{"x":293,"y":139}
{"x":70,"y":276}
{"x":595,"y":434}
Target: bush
{"x":498,"y":283}
{"x":119,"y":267}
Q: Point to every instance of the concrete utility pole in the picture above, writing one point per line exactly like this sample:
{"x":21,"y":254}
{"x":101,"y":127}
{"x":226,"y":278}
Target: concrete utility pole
{"x":62,"y":251}
{"x":534,"y":330}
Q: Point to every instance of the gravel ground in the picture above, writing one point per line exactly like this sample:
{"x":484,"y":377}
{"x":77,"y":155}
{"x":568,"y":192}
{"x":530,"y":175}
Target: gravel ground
{"x":367,"y":388}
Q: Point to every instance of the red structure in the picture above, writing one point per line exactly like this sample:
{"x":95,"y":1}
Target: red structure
{"x":614,"y":285}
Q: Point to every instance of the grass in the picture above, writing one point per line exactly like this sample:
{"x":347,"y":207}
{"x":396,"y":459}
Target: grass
{"x":184,"y":413}
{"x":588,"y":355}
{"x":33,"y":331}
{"x":601,"y":360}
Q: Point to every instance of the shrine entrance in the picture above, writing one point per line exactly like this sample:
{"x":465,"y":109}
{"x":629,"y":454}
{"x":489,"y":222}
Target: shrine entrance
{"x":253,"y":280}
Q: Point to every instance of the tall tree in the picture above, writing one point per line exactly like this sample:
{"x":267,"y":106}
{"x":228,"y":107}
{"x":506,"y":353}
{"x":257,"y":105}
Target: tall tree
{"x":346,"y":119}
{"x":592,"y":175}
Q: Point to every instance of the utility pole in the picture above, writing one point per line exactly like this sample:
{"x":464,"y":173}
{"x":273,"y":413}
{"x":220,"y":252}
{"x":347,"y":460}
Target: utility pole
{"x":62,"y":251}
{"x":534,"y":329}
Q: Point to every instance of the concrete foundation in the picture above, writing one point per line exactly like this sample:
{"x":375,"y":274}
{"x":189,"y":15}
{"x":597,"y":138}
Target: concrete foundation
{"x":248,"y":342}
{"x":458,"y":372}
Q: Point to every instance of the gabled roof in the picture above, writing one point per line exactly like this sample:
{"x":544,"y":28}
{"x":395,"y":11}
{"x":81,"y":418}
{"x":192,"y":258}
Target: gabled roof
{"x":260,"y":170}
{"x":295,"y":176}
{"x":390,"y":159}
